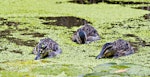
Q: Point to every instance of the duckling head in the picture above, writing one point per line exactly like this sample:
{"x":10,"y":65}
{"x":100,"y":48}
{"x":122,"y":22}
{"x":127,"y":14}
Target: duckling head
{"x":41,"y":51}
{"x":106,"y":51}
{"x":81,"y":37}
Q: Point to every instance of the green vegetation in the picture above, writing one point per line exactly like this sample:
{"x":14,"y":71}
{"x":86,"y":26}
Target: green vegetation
{"x":112,"y":21}
{"x":123,"y":69}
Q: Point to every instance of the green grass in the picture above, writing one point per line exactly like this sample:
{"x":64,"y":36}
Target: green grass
{"x":76,"y":60}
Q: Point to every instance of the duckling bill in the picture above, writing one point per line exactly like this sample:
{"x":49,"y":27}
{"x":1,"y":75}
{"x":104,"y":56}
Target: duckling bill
{"x":116,"y":49}
{"x":46,"y":48}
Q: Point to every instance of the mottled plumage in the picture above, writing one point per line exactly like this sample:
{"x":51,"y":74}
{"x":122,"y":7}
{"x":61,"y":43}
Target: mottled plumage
{"x":85,"y":34}
{"x":46,"y":48}
{"x":116,"y":49}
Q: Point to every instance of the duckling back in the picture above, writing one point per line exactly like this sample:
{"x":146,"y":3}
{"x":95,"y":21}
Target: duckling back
{"x":47,"y":48}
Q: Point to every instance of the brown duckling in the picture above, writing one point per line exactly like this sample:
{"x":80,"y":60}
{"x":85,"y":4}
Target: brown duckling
{"x":85,"y":34}
{"x":46,"y":48}
{"x":116,"y":49}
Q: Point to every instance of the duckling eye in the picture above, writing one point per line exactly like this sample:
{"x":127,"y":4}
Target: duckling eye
{"x":41,"y":51}
{"x":126,"y":45}
{"x":55,"y":48}
{"x":94,"y":31}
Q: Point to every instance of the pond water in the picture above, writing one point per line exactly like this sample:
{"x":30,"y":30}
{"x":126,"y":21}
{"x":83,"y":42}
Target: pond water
{"x":18,"y":41}
{"x":138,"y":42}
{"x":106,"y":1}
{"x":67,"y":21}
{"x":35,"y":34}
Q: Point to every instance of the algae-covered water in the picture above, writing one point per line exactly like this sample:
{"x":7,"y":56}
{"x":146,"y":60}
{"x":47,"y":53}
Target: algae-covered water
{"x":24,"y":22}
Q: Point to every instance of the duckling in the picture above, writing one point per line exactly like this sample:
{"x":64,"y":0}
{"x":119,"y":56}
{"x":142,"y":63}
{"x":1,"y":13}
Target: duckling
{"x":85,"y":34}
{"x":116,"y":49}
{"x":46,"y":48}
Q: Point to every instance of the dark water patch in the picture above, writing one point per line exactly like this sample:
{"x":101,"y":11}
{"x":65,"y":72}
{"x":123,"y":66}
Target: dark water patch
{"x":21,"y":42}
{"x":5,"y":33}
{"x":58,"y":2}
{"x":126,"y":24}
{"x":83,"y":50}
{"x":121,"y":24}
{"x":125,"y":2}
{"x":3,"y":49}
{"x":16,"y":51}
{"x":10,"y":23}
{"x":129,"y":35}
{"x":68,"y":21}
{"x":138,"y":41}
{"x":142,"y":43}
{"x":35,"y":34}
{"x":25,"y":29}
{"x":106,"y":1}
{"x":110,"y":27}
{"x":2,"y":19}
{"x":86,"y":1}
{"x":146,"y":16}
{"x":132,"y":19}
{"x":143,"y":8}
{"x":92,"y":56}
